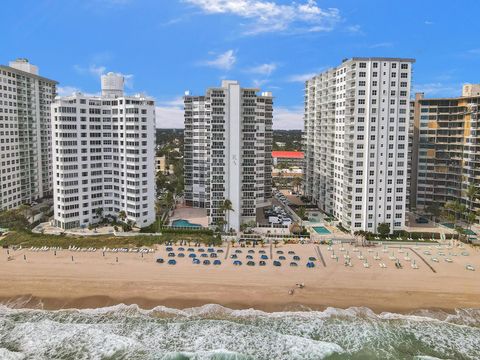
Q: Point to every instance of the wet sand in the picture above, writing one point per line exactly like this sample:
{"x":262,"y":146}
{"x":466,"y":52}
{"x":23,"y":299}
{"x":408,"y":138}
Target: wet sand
{"x":92,"y":280}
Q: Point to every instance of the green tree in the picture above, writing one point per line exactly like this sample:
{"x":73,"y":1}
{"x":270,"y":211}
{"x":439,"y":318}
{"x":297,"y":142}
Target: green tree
{"x":122,"y":215}
{"x":297,"y":182}
{"x":434,"y":210}
{"x":301,"y":212}
{"x":473,"y":194}
{"x":14,"y":219}
{"x":99,"y":213}
{"x":225,"y":208}
{"x":383,"y":229}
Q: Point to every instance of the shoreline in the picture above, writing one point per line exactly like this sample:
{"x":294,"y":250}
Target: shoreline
{"x":96,"y":302}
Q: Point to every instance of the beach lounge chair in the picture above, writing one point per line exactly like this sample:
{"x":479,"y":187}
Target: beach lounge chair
{"x":261,"y":251}
{"x":237,"y":263}
{"x":211,"y":250}
{"x":251,"y":251}
{"x":233,"y":256}
{"x":291,"y":252}
{"x":217,"y":262}
{"x":204,"y":255}
{"x":213,"y":255}
{"x":220,"y":251}
{"x":192,"y":255}
{"x":279,"y":252}
{"x":296,"y":258}
{"x":293,"y":264}
{"x":201,"y":250}
{"x":262,"y":263}
{"x":190,"y":249}
{"x":171,"y":254}
{"x":196,"y":261}
{"x":310,"y":264}
{"x":206,"y":262}
{"x":249,"y":257}
{"x":160,"y":260}
{"x":238,"y":251}
{"x":277,"y":263}
{"x":311,"y":258}
{"x":172,"y":262}
{"x":181,"y":249}
{"x":181,"y":255}
{"x":169,"y":248}
{"x":250,"y":263}
{"x":281,"y":258}
{"x":264,"y":257}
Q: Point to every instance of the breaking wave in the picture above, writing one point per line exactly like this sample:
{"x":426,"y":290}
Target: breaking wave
{"x":215,"y":332}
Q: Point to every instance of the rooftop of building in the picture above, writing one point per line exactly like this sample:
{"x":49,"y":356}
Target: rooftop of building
{"x":26,"y":73}
{"x":288,"y":154}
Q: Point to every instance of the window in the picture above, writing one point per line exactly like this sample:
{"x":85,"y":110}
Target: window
{"x":404,"y":66}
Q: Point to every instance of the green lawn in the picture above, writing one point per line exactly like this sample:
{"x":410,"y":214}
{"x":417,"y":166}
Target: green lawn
{"x":27,"y":239}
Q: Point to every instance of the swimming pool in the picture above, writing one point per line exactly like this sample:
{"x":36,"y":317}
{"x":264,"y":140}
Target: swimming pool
{"x":184,"y":223}
{"x":322,"y":230}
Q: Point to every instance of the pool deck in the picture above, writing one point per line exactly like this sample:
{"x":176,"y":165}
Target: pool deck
{"x":193,"y":215}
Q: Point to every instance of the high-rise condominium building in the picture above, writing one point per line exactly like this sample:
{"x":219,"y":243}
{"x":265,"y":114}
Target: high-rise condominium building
{"x":356,"y":140}
{"x":103,"y":156}
{"x":448,"y":143}
{"x":25,"y":138}
{"x":228,"y":146}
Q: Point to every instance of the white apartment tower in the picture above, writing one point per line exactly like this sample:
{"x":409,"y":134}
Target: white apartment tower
{"x":228,"y":145}
{"x":104,"y":156}
{"x":356,"y":141}
{"x":25,"y":138}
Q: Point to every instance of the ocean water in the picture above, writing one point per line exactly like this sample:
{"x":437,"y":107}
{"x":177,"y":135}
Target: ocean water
{"x":216,"y":332}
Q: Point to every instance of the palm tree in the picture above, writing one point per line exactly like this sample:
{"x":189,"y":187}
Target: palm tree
{"x":296,"y":183}
{"x":122,"y":215}
{"x":301,"y":212}
{"x":99,"y":212}
{"x":473,"y":194}
{"x":224,"y":208}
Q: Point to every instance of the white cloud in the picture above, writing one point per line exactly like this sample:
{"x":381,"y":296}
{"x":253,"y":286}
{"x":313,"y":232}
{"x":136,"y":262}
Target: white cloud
{"x":437,"y":89}
{"x":355,"y":29}
{"x":264,"y":69}
{"x":301,"y":77}
{"x":427,"y":22}
{"x":67,"y":90}
{"x":91,"y":69}
{"x":169,"y":114}
{"x":288,"y":119}
{"x":381,"y":45}
{"x":268,"y":16}
{"x":223,"y":61}
{"x":98,"y":71}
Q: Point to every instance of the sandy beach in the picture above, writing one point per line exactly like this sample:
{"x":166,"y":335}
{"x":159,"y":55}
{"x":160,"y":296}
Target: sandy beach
{"x":91,"y":280}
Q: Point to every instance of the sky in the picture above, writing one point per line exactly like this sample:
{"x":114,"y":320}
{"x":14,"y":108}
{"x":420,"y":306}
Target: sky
{"x":166,"y":47}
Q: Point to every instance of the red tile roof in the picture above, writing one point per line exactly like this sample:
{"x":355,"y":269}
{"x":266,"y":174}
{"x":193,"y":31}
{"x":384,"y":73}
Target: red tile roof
{"x":288,"y":154}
